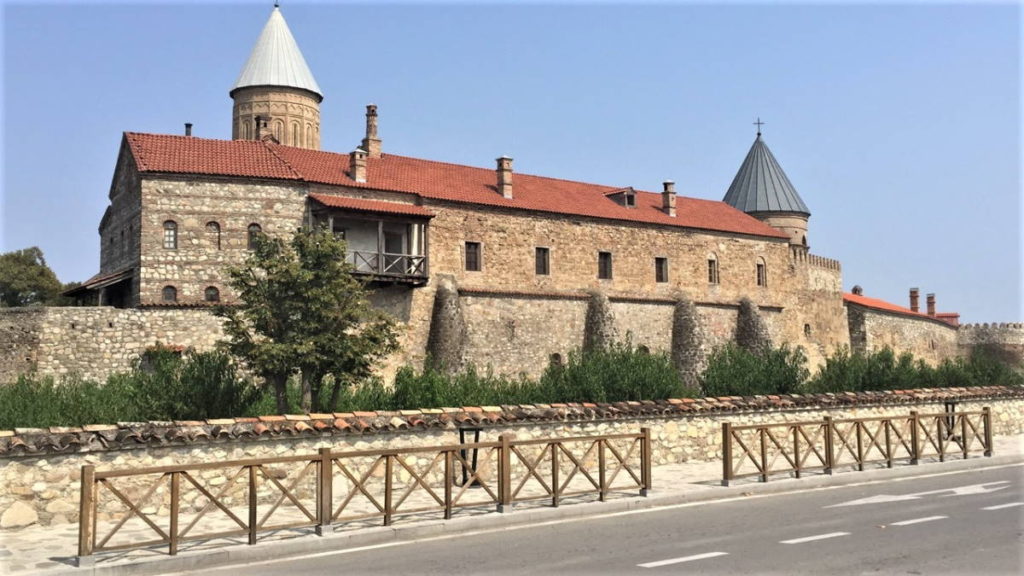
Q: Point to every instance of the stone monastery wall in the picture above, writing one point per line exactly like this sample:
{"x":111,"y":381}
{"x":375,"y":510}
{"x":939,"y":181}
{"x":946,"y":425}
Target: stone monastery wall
{"x":927,"y":339}
{"x":95,"y":341}
{"x":40,"y":468}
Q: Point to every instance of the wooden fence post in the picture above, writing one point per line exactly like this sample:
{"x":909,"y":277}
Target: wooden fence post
{"x":915,"y":438}
{"x":252,"y":504}
{"x":830,"y":452}
{"x":87,"y":515}
{"x":554,"y":474}
{"x":324,"y":491}
{"x":986,"y":421}
{"x":726,"y":453}
{"x":763,"y":433}
{"x":645,"y":461}
{"x":504,"y":474}
{"x":601,"y":476}
{"x":175,"y":509}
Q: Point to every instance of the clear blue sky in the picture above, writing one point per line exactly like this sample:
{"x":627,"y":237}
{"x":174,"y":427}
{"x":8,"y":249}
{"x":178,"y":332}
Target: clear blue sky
{"x":899,"y":125}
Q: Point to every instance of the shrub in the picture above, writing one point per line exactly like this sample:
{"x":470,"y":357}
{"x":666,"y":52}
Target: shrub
{"x":616,"y":373}
{"x":735,"y":371}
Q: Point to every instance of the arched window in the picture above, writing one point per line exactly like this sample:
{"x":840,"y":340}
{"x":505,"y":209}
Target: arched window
{"x":279,"y":131}
{"x":296,"y":138}
{"x":213,"y":231}
{"x":762,"y":272}
{"x":170,"y":294}
{"x":309,"y":135}
{"x":712,"y":268}
{"x":211,"y":294}
{"x":246,"y":130}
{"x":804,"y":240}
{"x":254,"y":233}
{"x":171,"y":235}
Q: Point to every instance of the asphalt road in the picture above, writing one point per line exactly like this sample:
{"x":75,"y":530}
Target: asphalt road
{"x":963,"y":523}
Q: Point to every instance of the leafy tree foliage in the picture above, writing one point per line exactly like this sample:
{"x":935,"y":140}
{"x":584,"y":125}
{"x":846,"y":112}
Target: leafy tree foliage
{"x":302,"y":311}
{"x":25,"y":279}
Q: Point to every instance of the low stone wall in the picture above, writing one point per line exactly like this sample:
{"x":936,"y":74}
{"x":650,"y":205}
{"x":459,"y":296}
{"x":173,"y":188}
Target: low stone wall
{"x":40,"y":468}
{"x":95,"y":341}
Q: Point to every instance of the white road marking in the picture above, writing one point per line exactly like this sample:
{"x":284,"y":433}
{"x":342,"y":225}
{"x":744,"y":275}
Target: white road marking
{"x":958,"y":491}
{"x":1001,"y":506}
{"x":683,"y":559}
{"x":917,"y":520}
{"x":813,"y":538}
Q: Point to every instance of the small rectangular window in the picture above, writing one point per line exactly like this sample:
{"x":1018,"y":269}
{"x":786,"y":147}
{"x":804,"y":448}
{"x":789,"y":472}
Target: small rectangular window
{"x":661,"y":269}
{"x":712,"y":271}
{"x":604,"y":265}
{"x":473,"y":259}
{"x":543,"y":261}
{"x":762,"y":275}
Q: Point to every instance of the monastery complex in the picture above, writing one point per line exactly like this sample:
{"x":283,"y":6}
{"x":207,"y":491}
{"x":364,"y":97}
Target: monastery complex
{"x":483,"y":265}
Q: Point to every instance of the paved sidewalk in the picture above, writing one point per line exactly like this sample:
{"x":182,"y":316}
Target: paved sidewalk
{"x":51,"y":550}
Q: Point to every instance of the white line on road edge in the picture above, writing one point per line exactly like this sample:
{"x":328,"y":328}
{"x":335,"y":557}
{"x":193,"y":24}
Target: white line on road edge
{"x":1001,"y":506}
{"x":917,"y":520}
{"x":683,"y":559}
{"x":813,"y":538}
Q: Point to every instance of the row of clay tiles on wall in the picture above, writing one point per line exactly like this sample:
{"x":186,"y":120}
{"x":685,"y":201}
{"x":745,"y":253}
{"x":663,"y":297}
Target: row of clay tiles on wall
{"x":128,"y":435}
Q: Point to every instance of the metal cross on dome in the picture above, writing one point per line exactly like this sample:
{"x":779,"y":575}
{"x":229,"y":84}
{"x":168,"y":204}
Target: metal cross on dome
{"x":759,"y":124}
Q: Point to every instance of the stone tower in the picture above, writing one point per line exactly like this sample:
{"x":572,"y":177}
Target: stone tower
{"x":762,"y":190}
{"x":276,"y":94}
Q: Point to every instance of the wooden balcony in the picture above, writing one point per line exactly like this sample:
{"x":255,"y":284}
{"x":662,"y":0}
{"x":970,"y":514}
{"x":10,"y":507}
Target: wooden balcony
{"x":408,"y":269}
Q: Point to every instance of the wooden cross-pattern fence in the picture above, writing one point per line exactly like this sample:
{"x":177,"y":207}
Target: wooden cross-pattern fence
{"x":249,"y":497}
{"x":797,"y":447}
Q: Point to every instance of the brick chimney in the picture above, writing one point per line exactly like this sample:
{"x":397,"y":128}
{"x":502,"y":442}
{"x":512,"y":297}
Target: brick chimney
{"x":188,"y":128}
{"x":505,"y":176}
{"x":668,"y":198}
{"x":371,"y":144}
{"x":357,"y":165}
{"x":914,"y":296}
{"x":931,"y":304}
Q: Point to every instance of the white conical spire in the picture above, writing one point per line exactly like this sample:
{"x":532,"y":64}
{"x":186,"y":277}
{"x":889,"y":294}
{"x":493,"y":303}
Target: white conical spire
{"x":276,"y":60}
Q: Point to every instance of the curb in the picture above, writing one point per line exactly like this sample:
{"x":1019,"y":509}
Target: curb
{"x":709,"y":492}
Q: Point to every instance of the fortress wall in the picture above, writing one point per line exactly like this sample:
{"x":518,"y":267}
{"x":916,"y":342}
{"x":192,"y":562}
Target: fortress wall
{"x":930,"y":340}
{"x":1005,"y":337}
{"x":95,"y":341}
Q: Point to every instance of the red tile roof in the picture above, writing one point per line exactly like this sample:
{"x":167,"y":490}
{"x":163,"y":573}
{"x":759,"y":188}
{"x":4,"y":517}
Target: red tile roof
{"x":375,"y":206}
{"x":429,"y":179}
{"x":890,"y":307}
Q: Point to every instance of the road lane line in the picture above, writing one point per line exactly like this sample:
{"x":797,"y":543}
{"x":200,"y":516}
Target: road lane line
{"x":1001,"y":506}
{"x":683,"y":559}
{"x":917,"y":520}
{"x":813,"y":538}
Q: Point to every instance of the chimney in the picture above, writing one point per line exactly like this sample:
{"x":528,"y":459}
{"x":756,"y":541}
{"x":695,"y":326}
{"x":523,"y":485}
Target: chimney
{"x":505,"y":176}
{"x":931,"y":304}
{"x":914,"y":295}
{"x":357,"y":165}
{"x":371,"y":144}
{"x":668,"y":198}
{"x":188,"y":128}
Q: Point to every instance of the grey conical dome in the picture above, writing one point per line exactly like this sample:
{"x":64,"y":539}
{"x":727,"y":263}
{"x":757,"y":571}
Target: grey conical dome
{"x":276,"y":60}
{"x":762,"y":186}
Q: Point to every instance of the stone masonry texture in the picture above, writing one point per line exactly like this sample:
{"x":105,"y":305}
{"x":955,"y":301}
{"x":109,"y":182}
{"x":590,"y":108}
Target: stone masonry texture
{"x":40,"y":469}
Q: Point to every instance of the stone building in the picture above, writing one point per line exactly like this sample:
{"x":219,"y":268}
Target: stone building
{"x":513,"y":260}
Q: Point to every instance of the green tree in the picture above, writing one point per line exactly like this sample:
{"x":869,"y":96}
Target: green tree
{"x":25,"y":279}
{"x":302,"y":312}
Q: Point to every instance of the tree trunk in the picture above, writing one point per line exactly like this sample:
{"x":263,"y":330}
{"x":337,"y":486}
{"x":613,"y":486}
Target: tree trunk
{"x":280,"y":384}
{"x":307,"y":392}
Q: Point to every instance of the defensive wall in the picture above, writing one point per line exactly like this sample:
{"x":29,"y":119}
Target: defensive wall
{"x":1007,"y":337}
{"x":95,"y":341}
{"x":40,"y":468}
{"x":929,"y":339}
